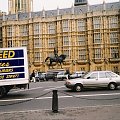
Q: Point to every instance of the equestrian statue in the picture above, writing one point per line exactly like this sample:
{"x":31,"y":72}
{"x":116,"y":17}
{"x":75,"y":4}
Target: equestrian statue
{"x":57,"y":59}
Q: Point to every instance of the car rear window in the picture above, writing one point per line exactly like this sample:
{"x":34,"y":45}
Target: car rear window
{"x":111,"y":74}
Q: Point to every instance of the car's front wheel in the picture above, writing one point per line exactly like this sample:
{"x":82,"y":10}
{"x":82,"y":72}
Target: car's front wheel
{"x":78,"y":88}
{"x":112,"y":86}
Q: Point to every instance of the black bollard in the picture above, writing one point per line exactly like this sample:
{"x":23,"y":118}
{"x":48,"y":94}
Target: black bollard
{"x":28,"y":86}
{"x":55,"y":101}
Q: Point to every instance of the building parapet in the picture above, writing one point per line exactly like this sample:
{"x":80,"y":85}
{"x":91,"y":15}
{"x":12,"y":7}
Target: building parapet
{"x":66,"y":11}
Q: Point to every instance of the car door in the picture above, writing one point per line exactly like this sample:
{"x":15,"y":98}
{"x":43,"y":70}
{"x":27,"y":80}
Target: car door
{"x":91,"y":80}
{"x":104,"y":79}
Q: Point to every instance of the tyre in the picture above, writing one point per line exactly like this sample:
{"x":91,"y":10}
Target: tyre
{"x":54,"y":78}
{"x":78,"y":88}
{"x":2,"y":91}
{"x":112,"y":86}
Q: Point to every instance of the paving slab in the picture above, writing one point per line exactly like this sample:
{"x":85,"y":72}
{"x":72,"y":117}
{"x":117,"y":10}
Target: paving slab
{"x":83,"y":113}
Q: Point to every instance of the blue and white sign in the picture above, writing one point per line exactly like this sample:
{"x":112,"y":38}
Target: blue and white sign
{"x":13,"y":63}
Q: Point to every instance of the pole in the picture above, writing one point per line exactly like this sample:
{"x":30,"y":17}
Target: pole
{"x":55,"y":101}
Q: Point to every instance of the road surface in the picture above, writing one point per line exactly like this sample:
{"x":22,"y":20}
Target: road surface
{"x":39,"y":97}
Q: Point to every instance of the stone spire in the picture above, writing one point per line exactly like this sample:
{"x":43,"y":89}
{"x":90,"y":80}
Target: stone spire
{"x":72,"y":9}
{"x":4,"y":16}
{"x":30,"y":15}
{"x":58,"y":11}
{"x":43,"y":12}
{"x":88,"y":8}
{"x":104,"y":5}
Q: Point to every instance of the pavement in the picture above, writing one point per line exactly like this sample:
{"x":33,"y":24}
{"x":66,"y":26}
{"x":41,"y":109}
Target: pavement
{"x":109,"y":112}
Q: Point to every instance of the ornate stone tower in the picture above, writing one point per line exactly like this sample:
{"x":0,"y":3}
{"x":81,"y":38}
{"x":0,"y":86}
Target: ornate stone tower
{"x":15,"y":6}
{"x":80,"y":2}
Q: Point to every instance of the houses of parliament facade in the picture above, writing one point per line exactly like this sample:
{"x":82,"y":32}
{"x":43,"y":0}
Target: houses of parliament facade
{"x":89,"y":35}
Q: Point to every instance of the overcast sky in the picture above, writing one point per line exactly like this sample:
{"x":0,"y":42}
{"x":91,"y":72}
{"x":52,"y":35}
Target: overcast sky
{"x":51,"y":4}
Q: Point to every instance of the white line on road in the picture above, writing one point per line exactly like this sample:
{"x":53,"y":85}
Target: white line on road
{"x":25,"y":90}
{"x":54,"y":88}
{"x":41,"y":98}
{"x":97,"y":95}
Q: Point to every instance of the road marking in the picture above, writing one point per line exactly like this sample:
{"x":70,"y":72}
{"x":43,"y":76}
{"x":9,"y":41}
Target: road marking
{"x":53,"y":88}
{"x":25,"y":90}
{"x":68,"y":96}
{"x":97,"y":95}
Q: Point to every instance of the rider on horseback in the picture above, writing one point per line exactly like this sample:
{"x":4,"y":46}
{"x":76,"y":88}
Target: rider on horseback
{"x":56,"y":58}
{"x":56,"y":52}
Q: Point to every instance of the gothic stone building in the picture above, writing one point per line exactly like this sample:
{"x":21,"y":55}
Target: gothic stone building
{"x":88,"y":34}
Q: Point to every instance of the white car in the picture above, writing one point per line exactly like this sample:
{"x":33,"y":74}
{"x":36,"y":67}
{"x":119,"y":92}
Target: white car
{"x":77,"y":74}
{"x":95,"y":79}
{"x":61,"y":75}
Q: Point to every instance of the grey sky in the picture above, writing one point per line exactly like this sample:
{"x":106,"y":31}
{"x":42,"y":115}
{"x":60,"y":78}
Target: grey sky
{"x":51,"y":4}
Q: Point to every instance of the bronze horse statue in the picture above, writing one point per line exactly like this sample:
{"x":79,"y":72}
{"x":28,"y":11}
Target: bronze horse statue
{"x":58,"y":59}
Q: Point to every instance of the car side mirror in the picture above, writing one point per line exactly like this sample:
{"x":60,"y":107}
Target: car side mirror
{"x":88,"y":77}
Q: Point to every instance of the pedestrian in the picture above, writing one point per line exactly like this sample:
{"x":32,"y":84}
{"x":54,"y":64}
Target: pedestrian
{"x":33,"y":76}
{"x":36,"y":76}
{"x":67,"y":73}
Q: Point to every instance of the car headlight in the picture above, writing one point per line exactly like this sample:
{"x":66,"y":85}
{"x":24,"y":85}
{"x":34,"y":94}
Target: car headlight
{"x":68,"y":82}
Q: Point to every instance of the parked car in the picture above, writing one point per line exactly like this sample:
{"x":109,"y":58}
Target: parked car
{"x":42,"y":76}
{"x":52,"y":74}
{"x":77,"y":74}
{"x":61,"y":75}
{"x":95,"y":79}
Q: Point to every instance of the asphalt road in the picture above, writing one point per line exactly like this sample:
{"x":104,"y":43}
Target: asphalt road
{"x":39,"y":96}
